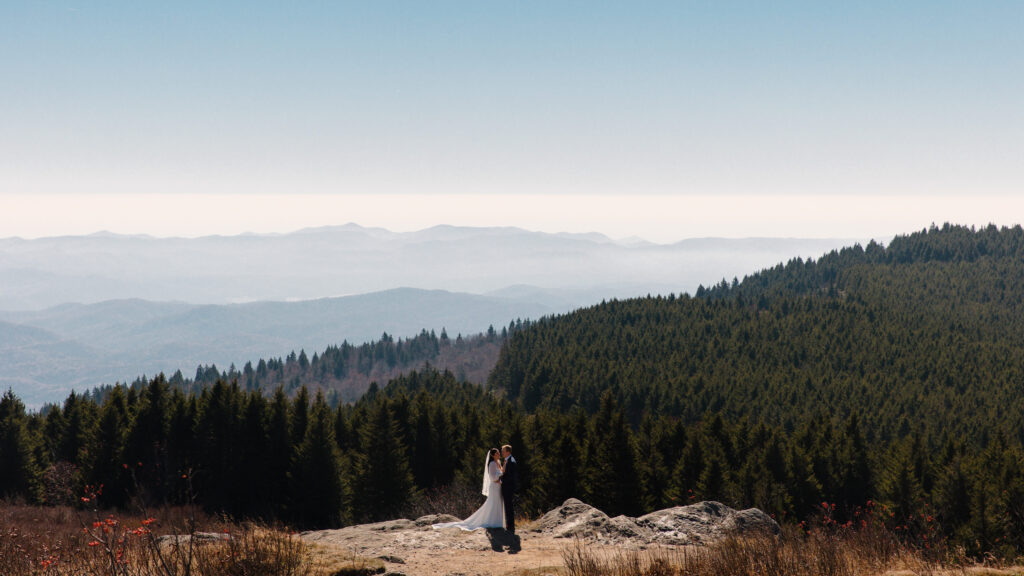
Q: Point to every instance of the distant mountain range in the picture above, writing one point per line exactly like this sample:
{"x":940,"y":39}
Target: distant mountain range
{"x":49,"y":352}
{"x":79,"y":311}
{"x":568,"y":269}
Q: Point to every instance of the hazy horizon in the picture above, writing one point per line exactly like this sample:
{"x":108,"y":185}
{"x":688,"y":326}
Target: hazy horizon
{"x":659,"y":219}
{"x":665,"y":120}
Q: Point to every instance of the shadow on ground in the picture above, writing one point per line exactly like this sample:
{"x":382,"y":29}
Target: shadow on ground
{"x":502,"y":541}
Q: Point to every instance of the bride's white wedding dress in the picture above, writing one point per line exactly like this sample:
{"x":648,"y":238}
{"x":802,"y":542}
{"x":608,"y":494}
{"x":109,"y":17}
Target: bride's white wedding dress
{"x":492,"y":513}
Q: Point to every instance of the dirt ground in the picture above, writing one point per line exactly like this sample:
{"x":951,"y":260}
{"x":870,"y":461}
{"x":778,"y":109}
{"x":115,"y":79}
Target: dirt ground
{"x":401,"y":546}
{"x":489,"y":554}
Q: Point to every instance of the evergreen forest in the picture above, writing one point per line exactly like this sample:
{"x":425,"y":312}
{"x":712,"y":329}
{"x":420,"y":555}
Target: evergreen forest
{"x":344,"y":372}
{"x":878,"y":378}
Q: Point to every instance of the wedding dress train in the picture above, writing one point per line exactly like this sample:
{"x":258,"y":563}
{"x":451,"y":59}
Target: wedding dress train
{"x":492,"y":513}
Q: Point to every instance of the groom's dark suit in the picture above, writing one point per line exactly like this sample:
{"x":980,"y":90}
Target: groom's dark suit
{"x":509,"y":485}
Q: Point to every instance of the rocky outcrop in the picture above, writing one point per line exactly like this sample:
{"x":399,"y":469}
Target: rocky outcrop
{"x":695,"y":524}
{"x":414,"y":547}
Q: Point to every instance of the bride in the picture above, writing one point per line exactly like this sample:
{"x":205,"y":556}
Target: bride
{"x":491,"y":514}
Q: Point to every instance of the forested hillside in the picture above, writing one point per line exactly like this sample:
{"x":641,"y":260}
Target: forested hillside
{"x":881,"y":381}
{"x":344,"y":372}
{"x":925,"y":335}
{"x":48,"y":353}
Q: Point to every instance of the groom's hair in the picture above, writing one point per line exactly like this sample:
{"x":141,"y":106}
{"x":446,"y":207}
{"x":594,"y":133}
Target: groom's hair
{"x":507,"y":447}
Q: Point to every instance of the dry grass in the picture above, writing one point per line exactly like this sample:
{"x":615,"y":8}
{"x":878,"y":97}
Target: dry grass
{"x":332,"y":561}
{"x":59,"y":541}
{"x":796,"y":552}
{"x":541,"y":571}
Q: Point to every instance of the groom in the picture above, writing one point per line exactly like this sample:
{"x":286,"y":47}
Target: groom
{"x":509,"y":484}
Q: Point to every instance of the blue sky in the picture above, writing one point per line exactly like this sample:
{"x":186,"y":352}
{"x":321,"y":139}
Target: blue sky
{"x":811,"y":103}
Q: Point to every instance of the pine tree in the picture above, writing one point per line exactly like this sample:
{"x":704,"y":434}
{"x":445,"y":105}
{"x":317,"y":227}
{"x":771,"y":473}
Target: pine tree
{"x":687,"y":471}
{"x":900,"y":488}
{"x":384,"y":482}
{"x":611,"y":475}
{"x":803,"y":487}
{"x":53,"y":433}
{"x":217,"y":431}
{"x":106,"y":465}
{"x":343,"y":434}
{"x":182,"y":451}
{"x":147,"y":443}
{"x":78,"y":421}
{"x":855,"y":482}
{"x":300,"y":414}
{"x":317,"y":482}
{"x":712,"y":481}
{"x":423,"y":456}
{"x":443,"y":446}
{"x":279,"y":453}
{"x":952,"y":497}
{"x":653,"y":472}
{"x":19,"y":472}
{"x":254,"y":495}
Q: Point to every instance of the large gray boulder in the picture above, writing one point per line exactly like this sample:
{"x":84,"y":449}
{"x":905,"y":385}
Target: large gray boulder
{"x":695,"y":524}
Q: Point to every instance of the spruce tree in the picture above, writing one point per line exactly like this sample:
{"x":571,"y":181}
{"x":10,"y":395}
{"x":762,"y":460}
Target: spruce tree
{"x":610,"y":469}
{"x":317,"y":484}
{"x":19,"y":473}
{"x":78,"y":421}
{"x":146,"y":445}
{"x":106,"y":464}
{"x":219,"y":446}
{"x":279,"y":453}
{"x":254,"y":493}
{"x":384,"y":482}
{"x":653,"y":472}
{"x":300,"y":414}
{"x":711,"y":484}
{"x":182,"y":450}
{"x":423,"y":456}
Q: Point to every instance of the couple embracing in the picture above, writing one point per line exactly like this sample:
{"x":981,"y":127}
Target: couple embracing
{"x":501,"y":480}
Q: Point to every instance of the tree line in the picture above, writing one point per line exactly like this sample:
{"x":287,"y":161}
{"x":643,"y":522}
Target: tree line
{"x":344,"y":371}
{"x":299,"y":461}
